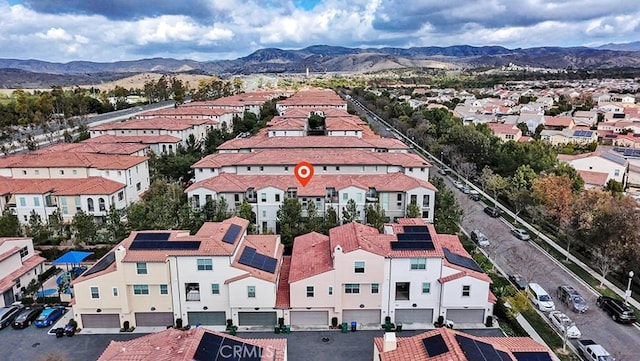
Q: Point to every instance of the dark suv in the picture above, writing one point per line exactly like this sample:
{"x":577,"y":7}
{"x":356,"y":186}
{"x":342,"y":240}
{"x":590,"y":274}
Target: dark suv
{"x":570,"y":297}
{"x":493,"y":212}
{"x":617,"y":309}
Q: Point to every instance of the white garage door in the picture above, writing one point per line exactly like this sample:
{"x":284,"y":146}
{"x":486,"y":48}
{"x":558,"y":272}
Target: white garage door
{"x":361,"y":316}
{"x":100,"y":321}
{"x":302,"y":318}
{"x":207,"y":318}
{"x":154,"y":318}
{"x":257,"y":319}
{"x":414,"y":315}
{"x":466,"y":316}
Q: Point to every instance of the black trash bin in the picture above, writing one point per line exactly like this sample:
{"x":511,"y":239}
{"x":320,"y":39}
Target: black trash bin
{"x":354,"y":326}
{"x":59,"y":332}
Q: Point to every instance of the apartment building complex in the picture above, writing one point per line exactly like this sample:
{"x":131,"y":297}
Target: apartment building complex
{"x":350,"y":162}
{"x":19,"y":265}
{"x":356,"y":274}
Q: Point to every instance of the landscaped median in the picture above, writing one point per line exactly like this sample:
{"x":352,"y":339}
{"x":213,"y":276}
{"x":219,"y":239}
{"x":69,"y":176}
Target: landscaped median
{"x":504,"y":290}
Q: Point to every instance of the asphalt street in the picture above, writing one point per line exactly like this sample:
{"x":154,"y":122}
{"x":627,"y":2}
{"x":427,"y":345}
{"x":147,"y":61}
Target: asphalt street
{"x":516,"y":256}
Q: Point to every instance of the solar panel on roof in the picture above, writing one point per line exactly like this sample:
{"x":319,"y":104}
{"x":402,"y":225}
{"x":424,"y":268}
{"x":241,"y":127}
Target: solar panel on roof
{"x":415,"y":229}
{"x":152,"y":236}
{"x":414,"y":237}
{"x":160,"y":245}
{"x":214,"y":347}
{"x":231,"y":234}
{"x":480,"y":351}
{"x":461,"y":261}
{"x":251,"y":258}
{"x":102,"y":264}
{"x":435,"y":345}
{"x":412,"y":245}
{"x":532,"y":356}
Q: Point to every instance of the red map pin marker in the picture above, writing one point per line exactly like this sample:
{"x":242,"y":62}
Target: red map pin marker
{"x":303,"y":172}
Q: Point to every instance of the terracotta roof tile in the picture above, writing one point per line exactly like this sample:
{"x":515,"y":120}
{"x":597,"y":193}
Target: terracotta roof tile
{"x":99,"y":148}
{"x":594,"y":178}
{"x":311,"y":142}
{"x":84,"y":160}
{"x":153,"y":124}
{"x":283,"y":297}
{"x":558,"y":121}
{"x":8,"y":253}
{"x":177,"y":345}
{"x":147,"y":139}
{"x":311,"y":256}
{"x":27,"y":265}
{"x":65,"y":187}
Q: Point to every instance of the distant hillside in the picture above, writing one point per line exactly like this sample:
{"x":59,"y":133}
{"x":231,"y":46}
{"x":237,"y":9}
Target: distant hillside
{"x":322,"y":58}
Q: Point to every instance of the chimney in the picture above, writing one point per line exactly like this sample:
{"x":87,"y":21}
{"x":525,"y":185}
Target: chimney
{"x":389,"y":342}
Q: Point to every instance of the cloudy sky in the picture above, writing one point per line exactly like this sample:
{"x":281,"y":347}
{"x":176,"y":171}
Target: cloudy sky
{"x":112,"y":30}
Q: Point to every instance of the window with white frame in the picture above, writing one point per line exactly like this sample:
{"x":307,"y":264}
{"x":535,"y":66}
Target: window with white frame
{"x":114,"y":291}
{"x":205,"y":264}
{"x":24,"y":251}
{"x":330,"y":290}
{"x":358,"y":267}
{"x":375,"y":288}
{"x":352,"y":288}
{"x":215,"y":289}
{"x":164,"y":289}
{"x":466,"y":291}
{"x":418,"y":263}
{"x":141,"y":268}
{"x":310,"y":291}
{"x":140,"y":289}
{"x":251,"y":291}
{"x":426,"y":287}
{"x":95,"y":292}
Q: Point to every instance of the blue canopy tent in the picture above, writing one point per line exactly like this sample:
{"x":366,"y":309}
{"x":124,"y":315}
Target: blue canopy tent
{"x":72,"y":257}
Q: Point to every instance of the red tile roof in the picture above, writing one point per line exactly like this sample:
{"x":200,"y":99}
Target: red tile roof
{"x":268,"y":245}
{"x":412,"y":348}
{"x":292,"y":157}
{"x":147,"y":139}
{"x":186,"y":111}
{"x":239,"y":100}
{"x":594,"y":178}
{"x":311,"y":256}
{"x":8,"y":253}
{"x":27,"y":265}
{"x":67,"y":159}
{"x":283,"y":296}
{"x":558,"y":121}
{"x":153,"y":124}
{"x":313,"y":142}
{"x":314,"y":98}
{"x":356,"y":236}
{"x":233,"y":183}
{"x":177,"y":345}
{"x":100,"y":148}
{"x":500,"y":128}
{"x":64,"y":187}
{"x":304,"y":113}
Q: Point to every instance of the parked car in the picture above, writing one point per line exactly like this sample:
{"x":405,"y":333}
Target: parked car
{"x":458,"y":184}
{"x":27,"y":316}
{"x":570,"y":297}
{"x":521,"y":234}
{"x":443,"y":171}
{"x":492,"y":211}
{"x":517,"y":280}
{"x":479,"y":238}
{"x":591,"y":351}
{"x":48,"y":316}
{"x":617,"y":309}
{"x":8,"y":314}
{"x":562,"y":322}
{"x":474,"y":195}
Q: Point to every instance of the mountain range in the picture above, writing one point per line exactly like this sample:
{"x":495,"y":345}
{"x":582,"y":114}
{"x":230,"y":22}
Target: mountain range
{"x":323,"y":58}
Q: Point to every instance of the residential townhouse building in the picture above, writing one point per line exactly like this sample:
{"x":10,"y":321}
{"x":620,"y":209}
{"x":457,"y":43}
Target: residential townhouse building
{"x":453,"y":345}
{"x":568,"y":135}
{"x":70,"y":181}
{"x":265,"y":178}
{"x":220,"y":118}
{"x":19,"y":265}
{"x":585,"y":118}
{"x":182,"y":128}
{"x":506,"y":132}
{"x":409,"y":273}
{"x":158,"y":144}
{"x":614,"y":165}
{"x":240,"y":103}
{"x":154,"y":278}
{"x":312,"y":99}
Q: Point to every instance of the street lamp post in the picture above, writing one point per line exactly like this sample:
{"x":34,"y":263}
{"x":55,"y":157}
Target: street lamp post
{"x":627,"y":293}
{"x":442,"y":157}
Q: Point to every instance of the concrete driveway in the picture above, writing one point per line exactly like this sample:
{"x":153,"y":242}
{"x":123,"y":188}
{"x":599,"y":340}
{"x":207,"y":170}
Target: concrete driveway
{"x":516,"y":256}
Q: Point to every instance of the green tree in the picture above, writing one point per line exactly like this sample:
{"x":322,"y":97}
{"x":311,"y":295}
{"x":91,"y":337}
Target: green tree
{"x":565,"y":169}
{"x":36,"y":228}
{"x":84,"y":228}
{"x":190,"y":218}
{"x":313,"y":222}
{"x":158,"y":207}
{"x":495,"y":184}
{"x":114,"y":225}
{"x":9,"y":224}
{"x":350,"y":212}
{"x":447,"y":210}
{"x":614,"y":187}
{"x":290,"y":221}
{"x":246,"y":212}
{"x":330,"y":220}
{"x":413,"y":211}
{"x":555,"y":195}
{"x":375,"y":216}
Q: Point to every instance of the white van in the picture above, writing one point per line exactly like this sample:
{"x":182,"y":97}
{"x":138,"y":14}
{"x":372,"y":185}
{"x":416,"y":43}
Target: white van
{"x":540,"y":297}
